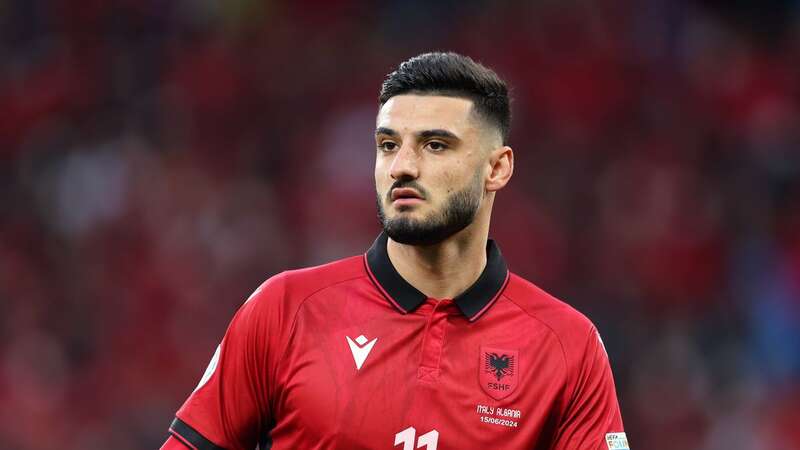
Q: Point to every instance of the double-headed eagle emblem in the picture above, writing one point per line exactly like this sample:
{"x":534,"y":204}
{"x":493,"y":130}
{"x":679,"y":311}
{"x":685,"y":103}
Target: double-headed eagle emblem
{"x":500,"y":366}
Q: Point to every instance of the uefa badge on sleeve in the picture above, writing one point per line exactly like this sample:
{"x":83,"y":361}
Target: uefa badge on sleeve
{"x":617,"y":441}
{"x":498,"y":371}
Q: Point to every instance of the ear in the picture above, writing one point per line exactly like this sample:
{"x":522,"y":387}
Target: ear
{"x":501,"y":164}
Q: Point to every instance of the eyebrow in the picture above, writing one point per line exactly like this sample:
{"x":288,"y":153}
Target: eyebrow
{"x":425,"y":134}
{"x":386,"y":131}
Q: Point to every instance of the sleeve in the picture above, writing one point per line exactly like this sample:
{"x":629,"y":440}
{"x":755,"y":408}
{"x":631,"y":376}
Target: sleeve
{"x":230,"y":407}
{"x":592,"y":420}
{"x":173,"y":443}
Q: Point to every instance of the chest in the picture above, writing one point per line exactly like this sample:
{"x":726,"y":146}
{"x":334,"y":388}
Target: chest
{"x":430,"y":379}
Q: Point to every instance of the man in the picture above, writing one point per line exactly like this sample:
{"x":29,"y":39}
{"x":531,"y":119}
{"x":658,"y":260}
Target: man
{"x":427,"y":340}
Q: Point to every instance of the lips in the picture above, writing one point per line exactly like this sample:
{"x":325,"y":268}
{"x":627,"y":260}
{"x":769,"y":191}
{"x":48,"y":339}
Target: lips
{"x":405,"y":193}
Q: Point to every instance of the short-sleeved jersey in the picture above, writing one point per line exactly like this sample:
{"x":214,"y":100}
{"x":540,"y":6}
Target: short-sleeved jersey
{"x":351,"y":356}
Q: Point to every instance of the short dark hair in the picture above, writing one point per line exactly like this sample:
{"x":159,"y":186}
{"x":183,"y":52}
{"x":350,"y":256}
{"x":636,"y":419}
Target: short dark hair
{"x":453,"y":75}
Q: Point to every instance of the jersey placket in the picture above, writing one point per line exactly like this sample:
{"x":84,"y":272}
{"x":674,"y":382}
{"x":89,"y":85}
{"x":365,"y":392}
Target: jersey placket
{"x":433,"y":341}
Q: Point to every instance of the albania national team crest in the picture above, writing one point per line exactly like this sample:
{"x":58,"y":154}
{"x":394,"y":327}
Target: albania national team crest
{"x":498,"y":371}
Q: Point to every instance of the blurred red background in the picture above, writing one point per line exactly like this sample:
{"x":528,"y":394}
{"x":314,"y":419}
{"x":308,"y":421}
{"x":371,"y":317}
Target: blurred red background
{"x":159,"y":159}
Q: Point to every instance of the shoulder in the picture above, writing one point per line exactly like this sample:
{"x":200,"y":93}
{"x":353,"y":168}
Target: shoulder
{"x":270,"y":311}
{"x":304,"y":282}
{"x":290,"y":288}
{"x":571,"y":327}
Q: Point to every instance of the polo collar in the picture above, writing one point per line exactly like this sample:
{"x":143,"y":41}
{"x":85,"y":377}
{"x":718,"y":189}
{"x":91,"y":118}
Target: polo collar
{"x":473,"y":302}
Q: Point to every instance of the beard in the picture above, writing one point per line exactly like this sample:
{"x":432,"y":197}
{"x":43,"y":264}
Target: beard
{"x":458,"y":212}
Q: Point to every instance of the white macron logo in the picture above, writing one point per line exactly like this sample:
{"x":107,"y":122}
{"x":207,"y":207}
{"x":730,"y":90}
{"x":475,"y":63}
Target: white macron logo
{"x":360,"y":349}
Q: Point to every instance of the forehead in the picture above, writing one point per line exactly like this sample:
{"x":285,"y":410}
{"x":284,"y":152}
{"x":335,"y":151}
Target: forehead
{"x":410,"y":113}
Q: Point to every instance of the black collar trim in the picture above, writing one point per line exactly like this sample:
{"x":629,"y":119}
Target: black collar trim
{"x":473,"y":302}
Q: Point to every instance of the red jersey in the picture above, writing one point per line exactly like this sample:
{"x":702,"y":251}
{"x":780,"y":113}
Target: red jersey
{"x":351,"y":356}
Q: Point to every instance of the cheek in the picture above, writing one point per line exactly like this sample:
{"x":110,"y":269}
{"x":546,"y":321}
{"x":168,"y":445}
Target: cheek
{"x":379,"y":171}
{"x":453,"y":180}
{"x":382,"y":179}
{"x":449,"y":180}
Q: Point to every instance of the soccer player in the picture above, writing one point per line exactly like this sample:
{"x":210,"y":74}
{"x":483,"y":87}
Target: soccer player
{"x":426,"y":340}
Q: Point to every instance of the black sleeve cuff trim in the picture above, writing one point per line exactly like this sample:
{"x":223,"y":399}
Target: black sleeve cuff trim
{"x":189,"y":434}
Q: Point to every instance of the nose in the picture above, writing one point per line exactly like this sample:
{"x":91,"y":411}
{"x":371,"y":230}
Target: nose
{"x":405,"y":163}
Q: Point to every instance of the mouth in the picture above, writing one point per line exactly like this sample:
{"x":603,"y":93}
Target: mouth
{"x":405,"y":197}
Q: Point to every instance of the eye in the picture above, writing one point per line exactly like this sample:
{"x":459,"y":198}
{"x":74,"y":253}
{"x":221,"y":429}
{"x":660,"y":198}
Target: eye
{"x":436,"y":146}
{"x":387,"y":146}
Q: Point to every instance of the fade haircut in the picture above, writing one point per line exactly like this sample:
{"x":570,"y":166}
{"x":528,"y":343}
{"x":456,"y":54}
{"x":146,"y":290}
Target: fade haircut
{"x":453,"y":75}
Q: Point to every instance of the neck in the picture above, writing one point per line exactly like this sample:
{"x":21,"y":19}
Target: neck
{"x":446,"y":269}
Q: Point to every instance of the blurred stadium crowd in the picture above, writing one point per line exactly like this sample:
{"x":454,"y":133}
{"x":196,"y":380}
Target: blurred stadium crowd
{"x":159,"y":159}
